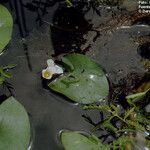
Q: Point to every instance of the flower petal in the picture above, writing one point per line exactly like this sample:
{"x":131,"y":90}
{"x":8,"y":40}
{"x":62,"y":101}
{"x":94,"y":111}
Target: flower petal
{"x":55,"y":69}
{"x":58,"y":70}
{"x":51,"y":70}
{"x":50,"y":62}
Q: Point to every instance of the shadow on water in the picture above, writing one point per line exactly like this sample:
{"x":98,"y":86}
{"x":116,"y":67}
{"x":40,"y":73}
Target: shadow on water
{"x":3,"y":98}
{"x":26,"y":51}
{"x":4,"y":1}
{"x":144,"y":51}
{"x":142,"y":21}
{"x":68,"y":30}
{"x":6,"y":89}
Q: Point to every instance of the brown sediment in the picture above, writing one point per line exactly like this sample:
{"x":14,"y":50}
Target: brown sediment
{"x":142,"y":39}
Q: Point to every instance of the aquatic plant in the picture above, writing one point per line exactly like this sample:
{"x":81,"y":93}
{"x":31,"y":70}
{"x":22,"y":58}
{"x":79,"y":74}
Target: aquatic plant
{"x":77,"y":141}
{"x":14,"y":126}
{"x":6,"y":25}
{"x":83,"y":81}
{"x":134,"y":124}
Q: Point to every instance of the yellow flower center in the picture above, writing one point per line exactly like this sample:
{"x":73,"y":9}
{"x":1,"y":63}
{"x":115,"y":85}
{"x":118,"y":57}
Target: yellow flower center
{"x":47,"y":74}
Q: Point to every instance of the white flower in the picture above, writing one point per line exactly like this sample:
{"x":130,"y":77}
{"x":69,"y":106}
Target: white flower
{"x":51,"y":69}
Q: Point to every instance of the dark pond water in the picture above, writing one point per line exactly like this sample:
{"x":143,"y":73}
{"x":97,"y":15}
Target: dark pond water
{"x":55,"y":30}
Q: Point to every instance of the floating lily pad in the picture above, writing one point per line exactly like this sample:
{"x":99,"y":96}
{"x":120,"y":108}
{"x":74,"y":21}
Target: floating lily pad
{"x":77,"y":141}
{"x":85,"y":81}
{"x":6,"y":25}
{"x":14,"y":126}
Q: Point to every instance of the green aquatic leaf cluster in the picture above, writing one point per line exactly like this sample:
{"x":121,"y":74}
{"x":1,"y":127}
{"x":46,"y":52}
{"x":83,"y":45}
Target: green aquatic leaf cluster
{"x":6,"y":26}
{"x":14,"y":126}
{"x":133,"y":120}
{"x":4,"y":73}
{"x":84,"y":81}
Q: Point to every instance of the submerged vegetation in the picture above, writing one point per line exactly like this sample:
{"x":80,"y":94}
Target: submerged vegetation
{"x":130,"y":128}
{"x":125,"y":125}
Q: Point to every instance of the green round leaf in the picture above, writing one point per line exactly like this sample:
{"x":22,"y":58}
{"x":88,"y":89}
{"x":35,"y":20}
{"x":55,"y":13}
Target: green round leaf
{"x":77,"y":141}
{"x":85,"y":81}
{"x":14,"y":126}
{"x":6,"y":25}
